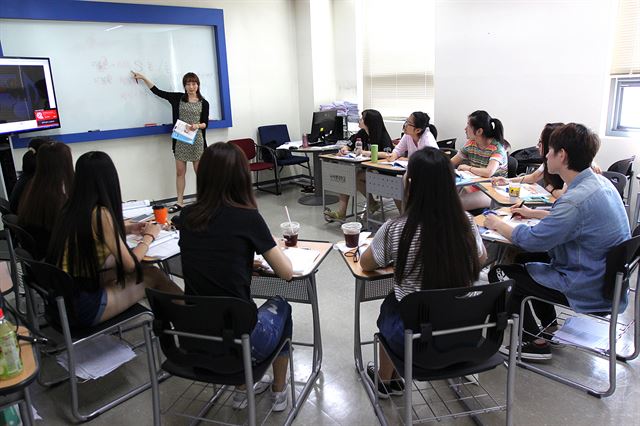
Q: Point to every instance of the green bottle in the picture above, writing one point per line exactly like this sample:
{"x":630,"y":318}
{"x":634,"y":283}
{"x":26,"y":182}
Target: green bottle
{"x":10,"y":362}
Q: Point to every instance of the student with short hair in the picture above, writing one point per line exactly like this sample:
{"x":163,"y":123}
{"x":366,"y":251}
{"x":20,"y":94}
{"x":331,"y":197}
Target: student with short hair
{"x":418,"y":133}
{"x":484,"y":155}
{"x":433,"y":244}
{"x":219,"y":235}
{"x":372,"y":132}
{"x":582,"y":226}
{"x":89,"y":243}
{"x":46,"y":193}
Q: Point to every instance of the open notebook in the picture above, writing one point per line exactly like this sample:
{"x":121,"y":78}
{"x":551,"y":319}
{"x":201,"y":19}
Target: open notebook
{"x":492,"y":235}
{"x":302,"y":260}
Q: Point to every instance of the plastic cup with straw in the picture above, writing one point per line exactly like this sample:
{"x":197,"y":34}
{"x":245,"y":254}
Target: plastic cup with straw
{"x":290,"y":230}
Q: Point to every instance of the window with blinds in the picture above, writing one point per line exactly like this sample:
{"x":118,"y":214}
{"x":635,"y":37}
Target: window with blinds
{"x":398,"y":57}
{"x":624,"y":102}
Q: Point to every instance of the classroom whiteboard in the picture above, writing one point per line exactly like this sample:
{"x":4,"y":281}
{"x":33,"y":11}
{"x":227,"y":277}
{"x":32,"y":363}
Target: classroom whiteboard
{"x":91,"y":64}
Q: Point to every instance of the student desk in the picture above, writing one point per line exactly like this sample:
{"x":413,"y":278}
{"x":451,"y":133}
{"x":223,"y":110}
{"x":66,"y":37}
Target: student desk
{"x":16,"y":389}
{"x":500,"y":197}
{"x":385,"y":180}
{"x":317,"y":199}
{"x":369,"y":286}
{"x":301,"y":289}
{"x":339,"y":175}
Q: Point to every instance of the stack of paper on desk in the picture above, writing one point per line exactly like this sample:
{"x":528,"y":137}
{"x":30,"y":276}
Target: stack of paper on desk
{"x":98,"y":357}
{"x":491,"y":235}
{"x":164,"y":246}
{"x":302,"y":260}
{"x":363,"y":243}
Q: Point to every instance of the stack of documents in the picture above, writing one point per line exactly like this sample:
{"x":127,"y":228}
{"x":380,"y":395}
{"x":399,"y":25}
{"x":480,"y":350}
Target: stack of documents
{"x":164,"y":246}
{"x":344,"y":109}
{"x":491,"y":235}
{"x":302,"y":260}
{"x":98,"y":357}
{"x":363,"y":243}
{"x":589,"y":333}
{"x":137,"y":210}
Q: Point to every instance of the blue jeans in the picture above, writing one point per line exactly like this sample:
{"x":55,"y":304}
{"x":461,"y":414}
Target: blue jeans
{"x":390,"y":324}
{"x":274,"y":323}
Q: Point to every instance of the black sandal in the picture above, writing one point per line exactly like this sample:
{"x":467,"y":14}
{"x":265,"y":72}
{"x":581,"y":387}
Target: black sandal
{"x":175,"y":208}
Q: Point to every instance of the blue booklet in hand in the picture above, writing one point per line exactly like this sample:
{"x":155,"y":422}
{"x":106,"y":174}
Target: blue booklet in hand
{"x":182,"y":133}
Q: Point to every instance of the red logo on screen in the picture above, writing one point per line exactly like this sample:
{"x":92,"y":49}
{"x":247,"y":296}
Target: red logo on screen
{"x":46,"y":117}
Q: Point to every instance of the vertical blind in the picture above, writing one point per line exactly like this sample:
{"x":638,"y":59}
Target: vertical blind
{"x":626,"y":48}
{"x":399,"y":54}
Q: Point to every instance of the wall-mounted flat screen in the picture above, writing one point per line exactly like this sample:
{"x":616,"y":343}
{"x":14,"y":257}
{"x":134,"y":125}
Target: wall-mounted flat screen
{"x":27,"y":98}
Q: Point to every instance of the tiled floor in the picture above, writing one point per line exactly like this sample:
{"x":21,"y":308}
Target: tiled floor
{"x":338,"y":397}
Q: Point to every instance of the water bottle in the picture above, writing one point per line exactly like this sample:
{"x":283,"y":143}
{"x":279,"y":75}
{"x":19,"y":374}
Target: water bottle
{"x":305,"y":140}
{"x":10,"y":362}
{"x":358,"y":149}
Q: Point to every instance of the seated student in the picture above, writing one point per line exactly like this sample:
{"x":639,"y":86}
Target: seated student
{"x":89,"y":243}
{"x":433,"y":244}
{"x":372,"y":132}
{"x":483,"y":155}
{"x":28,"y":170}
{"x":418,"y":133}
{"x":219,"y":235}
{"x":582,"y":226}
{"x":46,"y":193}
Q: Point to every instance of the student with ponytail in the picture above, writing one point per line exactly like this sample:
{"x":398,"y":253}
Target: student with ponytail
{"x":484,"y":155}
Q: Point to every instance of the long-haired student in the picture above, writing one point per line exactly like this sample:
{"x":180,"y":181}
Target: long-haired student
{"x":89,"y":243}
{"x":433,"y":244}
{"x":219,"y":235}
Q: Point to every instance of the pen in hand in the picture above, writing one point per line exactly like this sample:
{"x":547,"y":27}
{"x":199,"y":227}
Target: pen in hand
{"x":517,"y":214}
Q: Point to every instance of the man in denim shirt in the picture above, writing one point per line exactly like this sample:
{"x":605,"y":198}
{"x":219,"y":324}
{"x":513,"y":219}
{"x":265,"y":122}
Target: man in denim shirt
{"x":582,"y":226}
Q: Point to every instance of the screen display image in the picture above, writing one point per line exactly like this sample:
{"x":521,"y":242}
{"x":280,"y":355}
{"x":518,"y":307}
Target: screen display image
{"x":27,"y":96}
{"x":323,"y":126}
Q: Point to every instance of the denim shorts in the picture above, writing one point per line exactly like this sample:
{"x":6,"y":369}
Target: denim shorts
{"x":274,"y":323}
{"x":390,"y":324}
{"x":90,"y":306}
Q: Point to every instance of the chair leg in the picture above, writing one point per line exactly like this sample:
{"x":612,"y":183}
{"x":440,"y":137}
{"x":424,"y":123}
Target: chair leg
{"x":277,"y":176}
{"x":153,"y":374}
{"x":511,"y":370}
{"x":408,"y":376}
{"x":248,"y":379}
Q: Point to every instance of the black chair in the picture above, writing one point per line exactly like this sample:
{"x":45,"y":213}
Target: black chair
{"x":618,"y":180}
{"x":452,"y":333}
{"x":450,"y":152}
{"x":447,"y":143}
{"x":512,"y":166}
{"x":622,"y":262}
{"x":272,"y":137}
{"x":54,"y":286}
{"x":529,"y":159}
{"x":625,"y":167}
{"x":206,"y":339}
{"x":21,"y":237}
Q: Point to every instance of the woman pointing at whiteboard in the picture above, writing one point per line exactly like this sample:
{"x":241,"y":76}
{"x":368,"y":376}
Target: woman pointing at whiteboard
{"x":193,"y":109}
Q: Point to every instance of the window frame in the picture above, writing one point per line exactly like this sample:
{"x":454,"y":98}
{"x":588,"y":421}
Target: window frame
{"x":618,"y":83}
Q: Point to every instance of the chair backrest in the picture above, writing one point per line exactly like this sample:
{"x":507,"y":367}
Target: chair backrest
{"x":21,"y":237}
{"x":618,"y":180}
{"x":273,"y":136}
{"x":622,"y":258}
{"x":5,"y":206}
{"x":512,"y":166}
{"x":435,"y":310}
{"x":450,"y":152}
{"x":49,"y":282}
{"x":447,"y":143}
{"x":624,"y":166}
{"x":227,"y":318}
{"x":247,"y":146}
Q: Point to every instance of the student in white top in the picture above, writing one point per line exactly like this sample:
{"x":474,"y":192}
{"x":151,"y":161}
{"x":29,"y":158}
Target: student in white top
{"x":418,"y":133}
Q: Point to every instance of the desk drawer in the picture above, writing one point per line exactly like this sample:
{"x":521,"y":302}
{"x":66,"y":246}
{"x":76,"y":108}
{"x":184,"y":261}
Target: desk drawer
{"x":389,"y":186}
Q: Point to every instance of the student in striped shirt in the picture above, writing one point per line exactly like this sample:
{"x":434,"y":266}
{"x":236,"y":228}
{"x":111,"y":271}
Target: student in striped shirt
{"x":433,"y":244}
{"x":484,"y":155}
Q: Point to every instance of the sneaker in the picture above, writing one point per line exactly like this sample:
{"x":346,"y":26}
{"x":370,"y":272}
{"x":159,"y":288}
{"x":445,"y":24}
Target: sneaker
{"x":240,"y":396}
{"x":280,"y":399}
{"x":383,"y":392}
{"x":531,"y":351}
{"x":396,"y":387}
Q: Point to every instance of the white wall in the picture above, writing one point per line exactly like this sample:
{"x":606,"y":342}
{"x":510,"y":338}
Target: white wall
{"x":263,"y":80}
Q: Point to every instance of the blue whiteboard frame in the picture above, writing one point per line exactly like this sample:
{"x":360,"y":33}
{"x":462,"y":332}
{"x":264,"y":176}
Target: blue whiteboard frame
{"x":79,"y":10}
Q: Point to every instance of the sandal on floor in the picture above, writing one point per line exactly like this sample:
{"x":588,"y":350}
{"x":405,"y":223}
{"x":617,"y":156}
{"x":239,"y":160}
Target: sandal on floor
{"x":175,"y":208}
{"x":331,"y":215}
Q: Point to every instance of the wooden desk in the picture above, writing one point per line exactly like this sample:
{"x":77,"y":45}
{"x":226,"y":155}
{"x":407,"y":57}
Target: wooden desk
{"x":374,"y":285}
{"x":501,"y":197}
{"x":16,"y":389}
{"x":340,"y":175}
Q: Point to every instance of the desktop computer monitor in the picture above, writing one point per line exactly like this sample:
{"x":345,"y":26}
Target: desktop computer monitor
{"x":324,"y":126}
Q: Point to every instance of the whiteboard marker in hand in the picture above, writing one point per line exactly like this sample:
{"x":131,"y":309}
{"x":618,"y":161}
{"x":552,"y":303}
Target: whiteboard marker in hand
{"x":134,"y":76}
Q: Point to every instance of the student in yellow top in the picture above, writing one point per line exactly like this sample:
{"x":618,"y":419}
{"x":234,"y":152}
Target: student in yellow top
{"x":89,"y":243}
